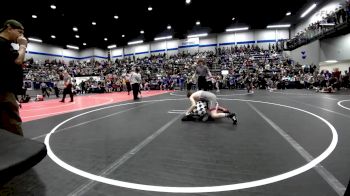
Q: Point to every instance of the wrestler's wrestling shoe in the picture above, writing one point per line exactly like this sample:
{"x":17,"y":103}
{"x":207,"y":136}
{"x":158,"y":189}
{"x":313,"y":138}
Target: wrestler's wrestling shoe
{"x":233,"y":117}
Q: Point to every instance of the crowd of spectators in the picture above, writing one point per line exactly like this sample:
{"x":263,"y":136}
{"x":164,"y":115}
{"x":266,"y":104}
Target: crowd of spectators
{"x":265,"y":68}
{"x":330,"y":21}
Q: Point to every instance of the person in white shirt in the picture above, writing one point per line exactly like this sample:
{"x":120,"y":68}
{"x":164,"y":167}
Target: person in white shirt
{"x":135,"y":80}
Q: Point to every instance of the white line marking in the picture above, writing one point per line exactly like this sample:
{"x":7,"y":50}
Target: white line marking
{"x":175,"y":112}
{"x":330,"y":98}
{"x":81,"y":190}
{"x":339,"y":104}
{"x":229,"y":187}
{"x":174,"y":94}
{"x":89,"y":121}
{"x":331,"y":111}
{"x":300,"y":94}
{"x":338,"y":187}
{"x":238,"y":94}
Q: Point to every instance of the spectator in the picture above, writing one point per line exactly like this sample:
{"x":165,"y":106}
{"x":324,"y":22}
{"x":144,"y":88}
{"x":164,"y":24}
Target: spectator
{"x":11,"y":77}
{"x":67,"y":79}
{"x":44,"y":90}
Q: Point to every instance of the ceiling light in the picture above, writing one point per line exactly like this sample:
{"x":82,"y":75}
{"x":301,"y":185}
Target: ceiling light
{"x":198,"y":23}
{"x":331,"y":61}
{"x":188,"y":1}
{"x":142,"y":32}
{"x":150,"y":8}
{"x":237,"y":29}
{"x":35,"y":40}
{"x":53,"y":7}
{"x":77,"y":36}
{"x":288,"y":13}
{"x":34,"y":16}
{"x":327,"y":24}
{"x":135,"y":42}
{"x":233,"y":18}
{"x":278,"y":26}
{"x":198,"y":35}
{"x":105,"y":39}
{"x":84,"y":44}
{"x":123,"y":35}
{"x":73,"y":47}
{"x":168,"y":27}
{"x":116,"y":17}
{"x":53,"y":36}
{"x":93,"y":23}
{"x":308,"y":10}
{"x":75,"y":29}
{"x":163,"y":38}
{"x":112,"y":46}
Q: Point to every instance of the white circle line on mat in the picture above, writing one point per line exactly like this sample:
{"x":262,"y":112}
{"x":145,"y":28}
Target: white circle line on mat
{"x":204,"y":189}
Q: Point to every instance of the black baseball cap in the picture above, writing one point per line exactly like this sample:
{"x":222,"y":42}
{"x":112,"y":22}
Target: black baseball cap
{"x":13,"y":23}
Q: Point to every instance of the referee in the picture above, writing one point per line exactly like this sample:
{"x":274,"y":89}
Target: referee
{"x":135,"y":80}
{"x":202,"y":71}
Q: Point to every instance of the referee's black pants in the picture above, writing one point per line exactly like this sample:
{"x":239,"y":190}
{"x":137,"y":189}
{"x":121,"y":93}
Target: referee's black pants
{"x":202,"y":83}
{"x":135,"y":90}
{"x":67,"y":90}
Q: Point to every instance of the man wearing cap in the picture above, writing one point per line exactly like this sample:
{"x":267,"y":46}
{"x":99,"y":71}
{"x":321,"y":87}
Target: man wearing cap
{"x":11,"y":75}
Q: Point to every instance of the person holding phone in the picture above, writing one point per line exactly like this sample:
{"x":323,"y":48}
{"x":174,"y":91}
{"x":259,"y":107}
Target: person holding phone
{"x":11,"y":75}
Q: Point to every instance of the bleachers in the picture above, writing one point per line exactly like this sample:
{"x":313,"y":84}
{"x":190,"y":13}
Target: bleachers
{"x":336,"y":23}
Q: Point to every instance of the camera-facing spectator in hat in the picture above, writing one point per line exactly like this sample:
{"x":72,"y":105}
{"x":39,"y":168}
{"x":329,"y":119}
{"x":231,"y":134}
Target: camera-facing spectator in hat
{"x":11,"y":75}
